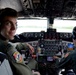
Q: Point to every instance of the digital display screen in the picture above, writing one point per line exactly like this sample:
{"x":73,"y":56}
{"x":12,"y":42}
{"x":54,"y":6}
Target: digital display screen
{"x":42,"y":58}
{"x":49,"y":58}
{"x":45,"y":58}
{"x":70,"y":46}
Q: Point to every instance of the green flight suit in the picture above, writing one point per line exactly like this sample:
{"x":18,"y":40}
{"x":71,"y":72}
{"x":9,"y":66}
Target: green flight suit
{"x":69,"y":62}
{"x":16,"y":61}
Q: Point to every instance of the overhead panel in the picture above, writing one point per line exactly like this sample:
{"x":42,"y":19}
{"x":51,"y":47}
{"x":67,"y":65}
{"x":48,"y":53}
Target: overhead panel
{"x":27,"y":6}
{"x":42,"y":8}
{"x":69,"y":8}
{"x":54,"y":8}
{"x":47,"y":7}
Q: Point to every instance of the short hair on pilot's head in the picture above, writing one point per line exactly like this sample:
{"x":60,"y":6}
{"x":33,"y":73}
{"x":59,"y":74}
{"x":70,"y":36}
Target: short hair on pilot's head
{"x":7,"y":12}
{"x":74,"y":33}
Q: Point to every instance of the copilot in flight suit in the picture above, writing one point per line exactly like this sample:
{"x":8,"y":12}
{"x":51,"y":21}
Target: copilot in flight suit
{"x":16,"y":61}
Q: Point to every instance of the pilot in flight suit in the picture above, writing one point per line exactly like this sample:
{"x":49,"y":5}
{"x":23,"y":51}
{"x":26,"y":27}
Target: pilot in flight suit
{"x":69,"y":60}
{"x":8,"y":21}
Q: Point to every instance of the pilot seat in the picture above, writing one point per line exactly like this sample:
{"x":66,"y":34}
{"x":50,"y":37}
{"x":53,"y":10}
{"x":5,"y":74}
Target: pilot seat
{"x":5,"y":68}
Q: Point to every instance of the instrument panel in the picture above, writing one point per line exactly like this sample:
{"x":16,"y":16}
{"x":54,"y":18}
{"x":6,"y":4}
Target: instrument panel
{"x":45,"y":49}
{"x":50,"y":47}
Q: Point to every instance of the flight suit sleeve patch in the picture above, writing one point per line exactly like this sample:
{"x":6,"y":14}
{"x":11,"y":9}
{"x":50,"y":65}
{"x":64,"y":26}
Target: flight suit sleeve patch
{"x":17,"y":56}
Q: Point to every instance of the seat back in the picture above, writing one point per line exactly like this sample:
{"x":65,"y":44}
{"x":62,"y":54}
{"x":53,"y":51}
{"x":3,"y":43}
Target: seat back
{"x":5,"y":68}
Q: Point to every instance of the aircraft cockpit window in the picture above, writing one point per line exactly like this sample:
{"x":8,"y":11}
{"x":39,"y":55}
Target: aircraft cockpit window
{"x":31,"y":25}
{"x":65,"y":26}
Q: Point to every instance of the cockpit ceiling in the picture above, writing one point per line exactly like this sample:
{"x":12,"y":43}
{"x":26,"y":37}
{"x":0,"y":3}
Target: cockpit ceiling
{"x":11,"y":3}
{"x":42,"y":8}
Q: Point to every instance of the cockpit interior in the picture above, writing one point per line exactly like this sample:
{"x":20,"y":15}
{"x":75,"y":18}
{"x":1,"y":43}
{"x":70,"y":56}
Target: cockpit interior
{"x":47,"y":26}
